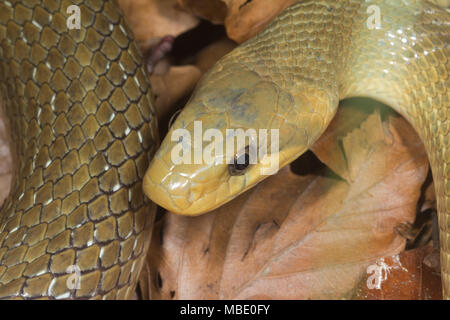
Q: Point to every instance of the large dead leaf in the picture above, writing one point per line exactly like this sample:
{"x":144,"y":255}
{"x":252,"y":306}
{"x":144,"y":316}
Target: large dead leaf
{"x":212,"y":10}
{"x":167,"y":89}
{"x":208,"y":56}
{"x":176,"y":82}
{"x":6,"y":167}
{"x":155,"y":19}
{"x":243,"y":18}
{"x":429,"y":198}
{"x":329,"y":147}
{"x":246,"y":18}
{"x":297,"y":237}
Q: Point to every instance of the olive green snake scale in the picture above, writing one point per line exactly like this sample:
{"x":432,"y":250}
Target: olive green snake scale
{"x":84,"y":130}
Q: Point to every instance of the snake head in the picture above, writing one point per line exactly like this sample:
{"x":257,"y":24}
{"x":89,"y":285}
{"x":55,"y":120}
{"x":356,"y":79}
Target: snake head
{"x":257,"y":125}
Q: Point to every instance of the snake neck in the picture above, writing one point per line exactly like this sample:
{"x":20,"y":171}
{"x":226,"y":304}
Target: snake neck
{"x":397,"y":55}
{"x":404,"y":63}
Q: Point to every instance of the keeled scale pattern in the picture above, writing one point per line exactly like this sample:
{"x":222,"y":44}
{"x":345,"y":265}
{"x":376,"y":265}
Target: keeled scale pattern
{"x":84,"y":130}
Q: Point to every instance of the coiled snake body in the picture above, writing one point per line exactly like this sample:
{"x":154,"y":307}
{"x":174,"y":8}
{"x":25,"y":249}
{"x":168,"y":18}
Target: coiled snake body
{"x":76,"y":223}
{"x":291,"y":77}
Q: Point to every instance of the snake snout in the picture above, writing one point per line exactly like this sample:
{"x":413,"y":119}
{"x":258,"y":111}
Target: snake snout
{"x":186,"y":189}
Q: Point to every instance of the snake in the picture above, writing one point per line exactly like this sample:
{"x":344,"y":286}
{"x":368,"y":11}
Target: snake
{"x":290,"y":78}
{"x":76,"y":224}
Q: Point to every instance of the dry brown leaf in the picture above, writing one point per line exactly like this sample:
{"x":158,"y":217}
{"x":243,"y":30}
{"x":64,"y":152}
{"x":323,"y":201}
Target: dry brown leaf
{"x":402,"y":277}
{"x":246,"y":18}
{"x":208,"y":56}
{"x":155,"y":19}
{"x":297,"y":237}
{"x":157,"y":60}
{"x":349,"y":129}
{"x":6,"y":164}
{"x":171,"y":83}
{"x":212,"y":10}
{"x":350,"y":116}
{"x":170,"y":87}
{"x":429,"y":198}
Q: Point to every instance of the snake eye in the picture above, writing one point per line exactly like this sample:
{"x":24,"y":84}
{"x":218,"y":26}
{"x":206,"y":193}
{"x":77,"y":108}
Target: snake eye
{"x":240,"y":165}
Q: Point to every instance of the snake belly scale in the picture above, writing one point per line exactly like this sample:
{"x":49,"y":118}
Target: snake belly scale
{"x":291,"y":77}
{"x":84,"y":130}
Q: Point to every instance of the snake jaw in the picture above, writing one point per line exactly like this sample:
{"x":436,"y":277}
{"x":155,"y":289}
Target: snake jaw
{"x":178,"y":194}
{"x":183,"y":188}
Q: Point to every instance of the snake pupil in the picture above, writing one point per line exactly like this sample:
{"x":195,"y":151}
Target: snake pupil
{"x":240,"y":165}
